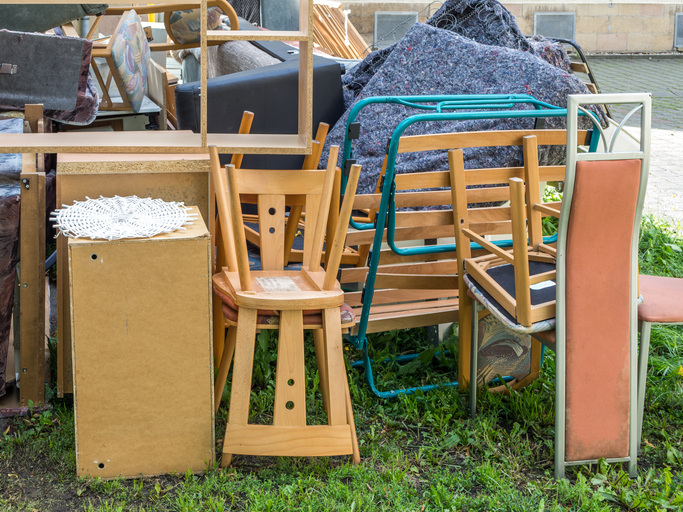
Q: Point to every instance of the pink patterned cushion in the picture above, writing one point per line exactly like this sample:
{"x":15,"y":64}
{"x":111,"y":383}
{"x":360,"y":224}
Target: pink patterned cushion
{"x":130,"y":53}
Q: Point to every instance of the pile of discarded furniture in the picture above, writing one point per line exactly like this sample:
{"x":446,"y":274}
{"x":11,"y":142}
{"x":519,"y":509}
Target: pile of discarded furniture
{"x":426,"y":210}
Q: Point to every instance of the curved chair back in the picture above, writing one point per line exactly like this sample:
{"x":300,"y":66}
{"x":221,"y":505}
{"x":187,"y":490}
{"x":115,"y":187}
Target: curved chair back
{"x":597,"y":271}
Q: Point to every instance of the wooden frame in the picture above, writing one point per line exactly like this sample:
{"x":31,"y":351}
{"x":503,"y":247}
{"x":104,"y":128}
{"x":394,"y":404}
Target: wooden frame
{"x":187,"y":142}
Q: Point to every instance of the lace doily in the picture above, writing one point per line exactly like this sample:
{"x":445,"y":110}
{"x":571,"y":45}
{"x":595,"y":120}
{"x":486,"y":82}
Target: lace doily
{"x":116,"y":218}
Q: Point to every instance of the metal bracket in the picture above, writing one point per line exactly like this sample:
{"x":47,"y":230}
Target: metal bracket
{"x":27,"y":183}
{"x":8,"y":69}
{"x":347,"y":166}
{"x":354,"y":131}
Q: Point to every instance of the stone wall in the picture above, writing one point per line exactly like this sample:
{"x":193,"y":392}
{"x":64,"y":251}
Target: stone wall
{"x":601,"y":27}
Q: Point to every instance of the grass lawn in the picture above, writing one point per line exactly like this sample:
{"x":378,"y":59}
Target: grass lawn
{"x":419,"y":452}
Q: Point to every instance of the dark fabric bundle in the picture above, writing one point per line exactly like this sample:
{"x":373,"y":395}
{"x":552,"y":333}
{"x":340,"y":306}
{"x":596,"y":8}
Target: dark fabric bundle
{"x":430,"y":61}
{"x":484,"y":21}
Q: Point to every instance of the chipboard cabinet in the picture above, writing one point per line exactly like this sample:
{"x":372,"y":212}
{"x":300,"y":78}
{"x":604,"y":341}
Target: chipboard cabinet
{"x":142,"y":355}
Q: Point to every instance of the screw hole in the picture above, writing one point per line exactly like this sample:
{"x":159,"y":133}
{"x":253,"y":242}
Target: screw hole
{"x":271,"y":230}
{"x":93,"y":256}
{"x":290,"y":382}
{"x":271,"y":211}
{"x":101,"y":465}
{"x":289,"y":405}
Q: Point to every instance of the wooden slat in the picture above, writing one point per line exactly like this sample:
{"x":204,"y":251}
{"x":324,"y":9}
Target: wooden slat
{"x":308,"y":441}
{"x":389,"y":322}
{"x":446,"y":141}
{"x":578,"y":67}
{"x":358,"y":274}
{"x":397,"y":296}
{"x":402,"y":234}
{"x":425,"y":219}
{"x":417,"y":282}
{"x":420,"y":180}
{"x":388,"y":257}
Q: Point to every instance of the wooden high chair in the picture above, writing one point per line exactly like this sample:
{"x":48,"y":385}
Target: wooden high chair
{"x":288,"y":300}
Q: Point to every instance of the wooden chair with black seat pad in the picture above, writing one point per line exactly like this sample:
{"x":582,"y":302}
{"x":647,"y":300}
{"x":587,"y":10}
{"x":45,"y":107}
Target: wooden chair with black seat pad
{"x":594,"y":335}
{"x":287,"y":300}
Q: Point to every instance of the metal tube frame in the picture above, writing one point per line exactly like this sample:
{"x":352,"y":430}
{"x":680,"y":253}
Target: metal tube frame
{"x":574,"y":106}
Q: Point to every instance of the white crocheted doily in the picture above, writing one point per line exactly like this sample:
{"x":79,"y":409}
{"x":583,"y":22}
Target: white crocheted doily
{"x":115,"y":218}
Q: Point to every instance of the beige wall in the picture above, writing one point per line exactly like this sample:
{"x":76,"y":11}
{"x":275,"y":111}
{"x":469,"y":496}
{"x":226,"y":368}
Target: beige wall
{"x":610,"y":27}
{"x":617,"y":26}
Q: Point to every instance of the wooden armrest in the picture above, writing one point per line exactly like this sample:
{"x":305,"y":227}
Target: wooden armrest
{"x":504,"y":255}
{"x":548,"y":210}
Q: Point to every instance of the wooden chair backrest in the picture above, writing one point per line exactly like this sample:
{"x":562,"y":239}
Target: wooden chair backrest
{"x":496,"y":220}
{"x":271,"y":190}
{"x":438,"y":223}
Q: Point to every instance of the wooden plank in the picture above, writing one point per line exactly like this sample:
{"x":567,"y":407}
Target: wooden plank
{"x":416,"y":282}
{"x":407,"y":320}
{"x":425,"y":219}
{"x":402,"y":234}
{"x":358,"y":274}
{"x":447,"y":141}
{"x":308,"y":441}
{"x":32,"y":283}
{"x":421,"y":180}
{"x":388,"y":257}
{"x":396,"y":296}
{"x":168,"y":141}
{"x":578,"y":67}
{"x":497,"y":176}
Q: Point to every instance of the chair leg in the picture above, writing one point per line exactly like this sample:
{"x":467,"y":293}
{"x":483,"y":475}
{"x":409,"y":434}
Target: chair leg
{"x":352,"y":425}
{"x":645,"y":329}
{"x":474,"y":350}
{"x":336,"y":371}
{"x":224,"y":366}
{"x":242,"y":372}
{"x":320,"y":356}
{"x":218,"y":330}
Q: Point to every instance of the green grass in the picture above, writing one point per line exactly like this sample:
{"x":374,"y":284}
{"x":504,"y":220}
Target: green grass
{"x":419,"y":452}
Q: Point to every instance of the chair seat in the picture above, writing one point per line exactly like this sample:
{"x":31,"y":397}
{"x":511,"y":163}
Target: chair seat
{"x":272,"y":317}
{"x":504,"y":276}
{"x":663,"y":299}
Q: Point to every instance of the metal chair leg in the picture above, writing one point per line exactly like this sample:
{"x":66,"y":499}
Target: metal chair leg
{"x":474,"y":349}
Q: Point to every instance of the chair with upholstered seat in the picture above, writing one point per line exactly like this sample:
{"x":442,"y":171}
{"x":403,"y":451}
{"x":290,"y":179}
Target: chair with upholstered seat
{"x":662,"y":305}
{"x":595,"y":337}
{"x":287,"y":300}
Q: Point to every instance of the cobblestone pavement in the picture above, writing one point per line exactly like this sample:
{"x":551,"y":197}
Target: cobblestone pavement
{"x":663,"y":77}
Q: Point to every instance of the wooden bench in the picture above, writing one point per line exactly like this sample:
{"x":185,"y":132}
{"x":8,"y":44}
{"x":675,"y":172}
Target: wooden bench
{"x":416,"y":284}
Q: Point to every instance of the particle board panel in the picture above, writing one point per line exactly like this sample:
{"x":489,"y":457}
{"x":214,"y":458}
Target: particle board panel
{"x":32,"y":286}
{"x":142,"y":355}
{"x":170,"y":177}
